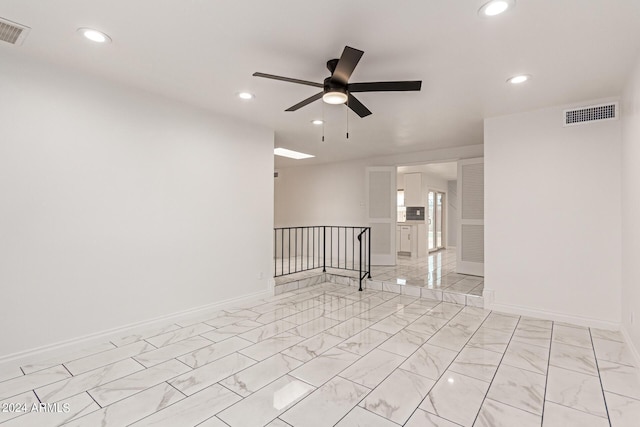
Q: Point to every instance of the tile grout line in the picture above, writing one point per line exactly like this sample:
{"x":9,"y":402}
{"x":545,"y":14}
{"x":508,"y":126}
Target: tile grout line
{"x":143,"y":367}
{"x":546,"y":379}
{"x":227,"y":388}
{"x":176,"y":389}
{"x":299,"y":379}
{"x":37,"y":397}
{"x":377,"y":415}
{"x":569,"y":369}
{"x":69,"y":361}
{"x":99,"y":405}
{"x":595,"y":357}
{"x":67,"y":369}
{"x":263,"y":387}
{"x":497,"y":369}
{"x":407,"y":358}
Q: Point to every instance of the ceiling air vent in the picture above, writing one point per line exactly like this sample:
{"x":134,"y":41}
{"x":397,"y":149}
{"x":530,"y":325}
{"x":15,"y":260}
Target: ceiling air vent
{"x":13,"y":33}
{"x":592,"y":113}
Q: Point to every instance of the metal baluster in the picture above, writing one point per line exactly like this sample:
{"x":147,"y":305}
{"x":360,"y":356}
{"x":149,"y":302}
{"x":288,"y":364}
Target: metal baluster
{"x":338,"y":247}
{"x":314,"y":247}
{"x":324,"y":249}
{"x":360,"y":257}
{"x":307,"y":248}
{"x":331,"y":251}
{"x":353,"y":248}
{"x":369,"y":254}
{"x":345,"y":248}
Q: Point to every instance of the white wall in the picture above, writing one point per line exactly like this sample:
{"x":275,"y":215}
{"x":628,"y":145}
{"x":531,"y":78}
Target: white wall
{"x":334,"y":193}
{"x":330,"y":194}
{"x":552,"y":217}
{"x":429,"y":182}
{"x":631,"y":209}
{"x":119,"y":206}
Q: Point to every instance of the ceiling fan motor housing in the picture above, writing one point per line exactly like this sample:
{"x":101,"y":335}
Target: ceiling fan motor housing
{"x":332,"y":64}
{"x":331,"y":86}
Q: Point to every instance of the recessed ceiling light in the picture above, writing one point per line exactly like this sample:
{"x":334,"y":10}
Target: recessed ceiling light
{"x":495,"y":7}
{"x":246,"y":95}
{"x":516,"y":80}
{"x":291,"y":154}
{"x":317,"y":122}
{"x":94,"y":35}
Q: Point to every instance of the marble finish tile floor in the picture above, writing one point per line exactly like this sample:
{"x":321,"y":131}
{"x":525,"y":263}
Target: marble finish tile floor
{"x":431,"y":276}
{"x":327,"y":355}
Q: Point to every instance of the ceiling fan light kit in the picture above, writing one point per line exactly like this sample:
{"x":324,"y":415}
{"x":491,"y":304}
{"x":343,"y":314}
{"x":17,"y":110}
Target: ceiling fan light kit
{"x":336,"y":88}
{"x":335,"y":97}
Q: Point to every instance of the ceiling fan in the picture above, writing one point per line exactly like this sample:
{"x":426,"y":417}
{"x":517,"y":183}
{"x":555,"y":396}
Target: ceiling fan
{"x":336,"y":89}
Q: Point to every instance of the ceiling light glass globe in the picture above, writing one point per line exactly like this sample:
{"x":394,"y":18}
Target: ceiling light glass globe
{"x":334,"y":97}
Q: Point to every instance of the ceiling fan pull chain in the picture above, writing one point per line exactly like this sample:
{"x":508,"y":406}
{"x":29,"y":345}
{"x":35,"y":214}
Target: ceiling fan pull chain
{"x":323,"y":122}
{"x":347,"y":118}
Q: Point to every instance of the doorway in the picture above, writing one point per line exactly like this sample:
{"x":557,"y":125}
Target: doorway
{"x":435,"y":220}
{"x":425,"y":196}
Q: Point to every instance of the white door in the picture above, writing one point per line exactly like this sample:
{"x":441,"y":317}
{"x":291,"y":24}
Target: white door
{"x":470,"y":244}
{"x":381,"y":213}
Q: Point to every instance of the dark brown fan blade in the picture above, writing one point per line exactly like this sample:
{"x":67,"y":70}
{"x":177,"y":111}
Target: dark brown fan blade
{"x":347,"y":63}
{"x":287,"y":79}
{"x":305,"y":102}
{"x":385,"y":86}
{"x":357,"y":106}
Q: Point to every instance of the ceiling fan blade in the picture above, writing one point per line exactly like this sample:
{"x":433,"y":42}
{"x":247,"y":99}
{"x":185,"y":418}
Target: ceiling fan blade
{"x":385,"y":86}
{"x":357,"y":106}
{"x":346,"y":64}
{"x":305,"y":102}
{"x":287,"y":79}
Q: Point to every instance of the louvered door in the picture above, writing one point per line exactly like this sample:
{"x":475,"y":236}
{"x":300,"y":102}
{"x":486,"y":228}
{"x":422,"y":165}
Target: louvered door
{"x":470,"y":244}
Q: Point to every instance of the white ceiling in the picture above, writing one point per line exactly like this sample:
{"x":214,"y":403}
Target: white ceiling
{"x":204,"y":52}
{"x":447,"y":171}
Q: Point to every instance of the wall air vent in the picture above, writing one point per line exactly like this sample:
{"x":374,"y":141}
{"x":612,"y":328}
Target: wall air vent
{"x":578,"y":116}
{"x":275,"y":174}
{"x":11,"y":32}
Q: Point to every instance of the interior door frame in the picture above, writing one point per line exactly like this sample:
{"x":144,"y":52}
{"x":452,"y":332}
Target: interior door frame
{"x":442,"y":219}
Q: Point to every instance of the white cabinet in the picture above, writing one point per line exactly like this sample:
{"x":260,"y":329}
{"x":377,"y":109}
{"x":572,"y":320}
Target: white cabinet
{"x":411,"y":239}
{"x":413,"y":189}
{"x":405,"y":238}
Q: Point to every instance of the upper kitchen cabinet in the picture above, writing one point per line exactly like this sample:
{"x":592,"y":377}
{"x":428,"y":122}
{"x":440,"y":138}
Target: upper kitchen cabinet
{"x":413,"y":189}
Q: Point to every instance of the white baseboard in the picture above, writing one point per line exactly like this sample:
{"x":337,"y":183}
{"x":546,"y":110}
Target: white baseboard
{"x":632,"y":348}
{"x":55,"y":349}
{"x":551,"y":315}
